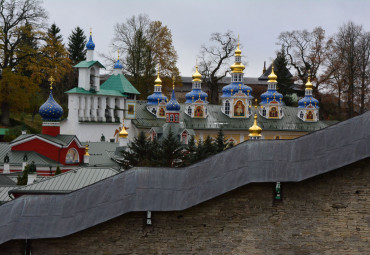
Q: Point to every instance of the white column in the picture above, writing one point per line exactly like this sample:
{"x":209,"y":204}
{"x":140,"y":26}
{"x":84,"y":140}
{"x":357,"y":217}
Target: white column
{"x":111,"y":105}
{"x":102,"y":107}
{"x":121,"y":106}
{"x":6,"y":168}
{"x":94,"y":108}
{"x":87,"y":108}
{"x":24,"y":164}
{"x":81,"y":109}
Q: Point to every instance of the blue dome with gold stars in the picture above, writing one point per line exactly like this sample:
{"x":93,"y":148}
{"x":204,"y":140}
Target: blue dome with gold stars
{"x":173,"y":105}
{"x":118,"y":65}
{"x":51,"y":110}
{"x":196,"y":94}
{"x":234,"y":88}
{"x":90,"y":45}
{"x":271,"y":95}
{"x":308,"y":100}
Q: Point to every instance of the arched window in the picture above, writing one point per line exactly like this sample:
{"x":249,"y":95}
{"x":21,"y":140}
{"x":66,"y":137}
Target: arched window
{"x":301,"y":115}
{"x":264,"y":112}
{"x":227,"y":107}
{"x":72,"y":156}
{"x":171,"y":118}
{"x":154,"y":111}
{"x":184,"y":138}
{"x":176,"y":118}
{"x":189,"y":110}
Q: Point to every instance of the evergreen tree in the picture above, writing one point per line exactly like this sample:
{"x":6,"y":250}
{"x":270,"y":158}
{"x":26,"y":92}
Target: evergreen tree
{"x":284,"y":77}
{"x":220,"y":142}
{"x":54,"y":31}
{"x":32,"y":167}
{"x":58,"y":171}
{"x":190,"y":152}
{"x":209,"y":147}
{"x":76,"y":45}
{"x":22,"y":180}
{"x":171,"y":151}
{"x":140,"y":152}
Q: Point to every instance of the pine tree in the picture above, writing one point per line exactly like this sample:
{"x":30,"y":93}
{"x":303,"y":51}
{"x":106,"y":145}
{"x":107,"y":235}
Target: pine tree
{"x":209,"y":147}
{"x":284,"y":80}
{"x":54,"y":31}
{"x":190,"y":152}
{"x":221,"y":142}
{"x":22,"y":180}
{"x":58,"y":171}
{"x":171,"y":151}
{"x":76,"y":45}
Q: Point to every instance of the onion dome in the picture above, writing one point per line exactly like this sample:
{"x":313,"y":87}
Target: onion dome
{"x":173,"y":105}
{"x":118,"y":65}
{"x":87,"y":150}
{"x":255,"y":130}
{"x":157,"y":96}
{"x":123,"y":133}
{"x":271,"y":94}
{"x":308,"y":98}
{"x":238,"y":66}
{"x":90,"y":45}
{"x":234,"y":88}
{"x":195,"y":95}
{"x":197,"y":76}
{"x":51,"y":110}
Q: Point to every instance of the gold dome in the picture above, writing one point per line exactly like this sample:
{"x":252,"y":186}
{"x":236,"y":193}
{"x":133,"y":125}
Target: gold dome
{"x":197,"y":76}
{"x":255,"y":130}
{"x":158,"y":81}
{"x":87,"y":150}
{"x":123,"y":133}
{"x":272,"y":77}
{"x":237,"y":67}
{"x":309,"y":84}
{"x":238,"y":52}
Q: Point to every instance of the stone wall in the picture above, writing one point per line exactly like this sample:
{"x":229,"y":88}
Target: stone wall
{"x":327,"y":214}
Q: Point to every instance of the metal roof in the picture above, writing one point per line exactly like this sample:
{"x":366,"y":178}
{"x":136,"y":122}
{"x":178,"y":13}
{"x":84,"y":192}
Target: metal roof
{"x":217,"y":120}
{"x":118,"y":82}
{"x":4,"y":196}
{"x":100,"y":154}
{"x":4,"y":180}
{"x":169,"y":189}
{"x":67,"y":182}
{"x":88,"y":64}
{"x":63,"y":140}
{"x":102,"y":92}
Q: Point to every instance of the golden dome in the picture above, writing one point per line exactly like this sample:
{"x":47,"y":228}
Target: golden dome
{"x":255,"y":130}
{"x":272,"y":77}
{"x":197,"y":76}
{"x":87,"y":150}
{"x":237,"y":67}
{"x":158,"y":81}
{"x":309,"y":84}
{"x":238,"y":52}
{"x":123,"y":133}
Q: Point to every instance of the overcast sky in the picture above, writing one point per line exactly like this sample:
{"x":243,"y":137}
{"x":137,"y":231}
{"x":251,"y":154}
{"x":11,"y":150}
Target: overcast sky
{"x":257,"y":22}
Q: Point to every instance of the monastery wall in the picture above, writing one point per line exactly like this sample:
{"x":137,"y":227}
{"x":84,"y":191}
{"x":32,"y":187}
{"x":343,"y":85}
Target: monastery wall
{"x":327,"y":214}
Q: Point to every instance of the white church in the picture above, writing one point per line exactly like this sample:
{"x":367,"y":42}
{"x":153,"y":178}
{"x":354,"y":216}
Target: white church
{"x":96,"y":112}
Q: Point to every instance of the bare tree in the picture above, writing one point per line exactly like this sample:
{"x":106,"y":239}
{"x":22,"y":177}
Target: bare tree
{"x":307,"y":51}
{"x":364,"y":64}
{"x":214,"y":61}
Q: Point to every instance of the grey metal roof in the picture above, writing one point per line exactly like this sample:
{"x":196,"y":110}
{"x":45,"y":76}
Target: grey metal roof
{"x":101,"y":153}
{"x":227,"y":80}
{"x":166,"y":189}
{"x":4,"y":180}
{"x":216,"y":120}
{"x":59,"y":139}
{"x":4,"y":196}
{"x":67,"y":182}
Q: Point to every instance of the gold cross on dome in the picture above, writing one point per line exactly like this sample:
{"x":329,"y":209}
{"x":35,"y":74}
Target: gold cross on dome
{"x":255,"y":100}
{"x":173,"y":78}
{"x":51,"y":80}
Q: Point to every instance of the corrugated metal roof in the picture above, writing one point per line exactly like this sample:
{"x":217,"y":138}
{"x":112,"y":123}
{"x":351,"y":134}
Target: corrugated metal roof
{"x":100,"y":154}
{"x":216,"y":120}
{"x":102,"y":92}
{"x":69,"y":181}
{"x":4,"y":196}
{"x":59,"y":139}
{"x":118,"y":82}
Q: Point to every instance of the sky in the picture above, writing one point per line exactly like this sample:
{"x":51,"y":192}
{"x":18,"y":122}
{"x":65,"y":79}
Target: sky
{"x":191,"y":22}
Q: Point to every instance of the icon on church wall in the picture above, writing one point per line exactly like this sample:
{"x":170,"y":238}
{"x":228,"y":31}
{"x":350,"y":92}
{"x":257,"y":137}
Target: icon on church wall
{"x":130,"y":113}
{"x":198,"y":112}
{"x":309,"y":115}
{"x":273,"y":112}
{"x":161,"y":112}
{"x":239,"y":109}
{"x":72,"y":156}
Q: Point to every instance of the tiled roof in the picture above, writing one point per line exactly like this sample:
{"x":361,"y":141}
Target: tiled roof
{"x":68,"y":181}
{"x":118,"y":82}
{"x":216,"y":120}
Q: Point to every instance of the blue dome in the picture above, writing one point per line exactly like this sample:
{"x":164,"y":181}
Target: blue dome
{"x":153,"y":98}
{"x":270,"y":95}
{"x":173,"y":105}
{"x":90,"y":45}
{"x":51,"y":110}
{"x":195,"y":93}
{"x":304,"y":102}
{"x":234,"y":86}
{"x":118,"y":65}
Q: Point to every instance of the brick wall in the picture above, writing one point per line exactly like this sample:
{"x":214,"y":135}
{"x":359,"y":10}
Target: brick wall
{"x":327,"y":214}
